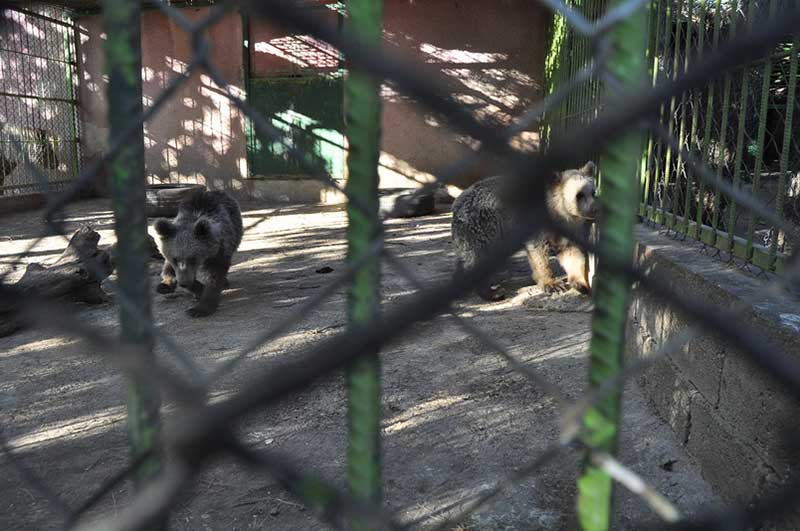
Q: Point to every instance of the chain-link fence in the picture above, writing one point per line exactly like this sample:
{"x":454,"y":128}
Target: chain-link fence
{"x":38,"y":101}
{"x":611,"y":40}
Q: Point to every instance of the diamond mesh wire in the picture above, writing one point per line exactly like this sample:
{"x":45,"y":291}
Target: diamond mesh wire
{"x":579,"y":125}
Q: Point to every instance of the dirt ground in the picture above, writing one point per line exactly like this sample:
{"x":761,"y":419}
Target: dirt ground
{"x":457,"y":418}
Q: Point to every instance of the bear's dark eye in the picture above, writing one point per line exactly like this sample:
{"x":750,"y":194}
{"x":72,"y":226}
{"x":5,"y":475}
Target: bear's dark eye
{"x":581,"y":195}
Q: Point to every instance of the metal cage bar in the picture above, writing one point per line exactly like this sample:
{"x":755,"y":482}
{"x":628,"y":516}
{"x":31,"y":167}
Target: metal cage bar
{"x":363,"y":104}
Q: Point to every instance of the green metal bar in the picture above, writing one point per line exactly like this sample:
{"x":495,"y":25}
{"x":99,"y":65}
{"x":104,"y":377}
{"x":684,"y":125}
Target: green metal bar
{"x":126,"y":172}
{"x":706,"y":145}
{"x":659,"y":146}
{"x":628,"y":41}
{"x":762,"y":131}
{"x":672,"y":103}
{"x":647,"y":160}
{"x":787,"y":146}
{"x":674,"y":206}
{"x":362,"y":125}
{"x":698,"y":96}
{"x":744,"y":94}
{"x":726,"y":100}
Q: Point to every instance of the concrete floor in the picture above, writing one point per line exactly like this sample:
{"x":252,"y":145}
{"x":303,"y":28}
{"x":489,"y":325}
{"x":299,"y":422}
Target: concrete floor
{"x":456,"y":417}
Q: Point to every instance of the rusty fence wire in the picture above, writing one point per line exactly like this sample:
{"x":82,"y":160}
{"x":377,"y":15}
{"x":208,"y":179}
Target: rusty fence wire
{"x":204,"y":431}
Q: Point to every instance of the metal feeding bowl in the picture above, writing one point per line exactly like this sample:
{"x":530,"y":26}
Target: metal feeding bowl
{"x":163,"y":199}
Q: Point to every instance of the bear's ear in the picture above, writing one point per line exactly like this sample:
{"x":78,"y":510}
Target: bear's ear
{"x":165,"y":228}
{"x":203,"y":230}
{"x":589,"y":169}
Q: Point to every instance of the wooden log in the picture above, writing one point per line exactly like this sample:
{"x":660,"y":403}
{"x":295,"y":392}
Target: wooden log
{"x":75,"y":276}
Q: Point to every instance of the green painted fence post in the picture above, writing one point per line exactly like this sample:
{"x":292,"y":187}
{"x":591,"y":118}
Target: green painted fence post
{"x":763,"y":107}
{"x":647,"y":159}
{"x":127,"y":176}
{"x":787,"y":146}
{"x":362,"y":108}
{"x":682,"y":134}
{"x":619,"y":200}
{"x":668,"y":198}
{"x":740,"y":135}
{"x":705,"y":147}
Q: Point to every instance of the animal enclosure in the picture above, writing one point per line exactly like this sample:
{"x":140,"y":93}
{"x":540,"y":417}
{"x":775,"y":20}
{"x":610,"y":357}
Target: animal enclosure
{"x":383,"y":396}
{"x":38,"y":98}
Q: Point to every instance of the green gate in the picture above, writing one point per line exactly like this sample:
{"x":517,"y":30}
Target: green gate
{"x":308,"y":108}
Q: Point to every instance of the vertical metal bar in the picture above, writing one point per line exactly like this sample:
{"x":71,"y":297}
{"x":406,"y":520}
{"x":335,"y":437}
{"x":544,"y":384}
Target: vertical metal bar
{"x":676,"y":204}
{"x":737,"y":174}
{"x":618,"y":200}
{"x":572,"y":43}
{"x":581,"y":52}
{"x":362,"y":107}
{"x":30,"y":119}
{"x":761,"y":136}
{"x":123,"y":64}
{"x":705,"y":147}
{"x":692,"y":141}
{"x":668,"y":112}
{"x":723,"y":140}
{"x":69,"y":34}
{"x":585,"y":52}
{"x":565,"y":73}
{"x":248,"y":93}
{"x":668,"y":197}
{"x":787,"y":147}
{"x":647,"y":165}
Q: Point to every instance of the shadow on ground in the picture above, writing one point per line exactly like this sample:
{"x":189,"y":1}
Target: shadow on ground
{"x":456,"y":417}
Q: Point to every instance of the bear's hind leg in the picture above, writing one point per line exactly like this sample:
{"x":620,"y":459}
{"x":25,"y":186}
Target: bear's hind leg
{"x":574,"y":262}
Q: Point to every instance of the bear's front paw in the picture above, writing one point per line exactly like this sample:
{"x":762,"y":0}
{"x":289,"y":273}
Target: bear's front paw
{"x":555,"y":286}
{"x":165,"y":288}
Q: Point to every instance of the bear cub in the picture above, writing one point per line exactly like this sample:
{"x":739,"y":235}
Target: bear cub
{"x":199,"y":243}
{"x":480,"y":220}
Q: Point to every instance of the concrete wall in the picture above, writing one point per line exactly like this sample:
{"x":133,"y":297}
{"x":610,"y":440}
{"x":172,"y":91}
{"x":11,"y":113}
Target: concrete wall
{"x":197,"y":136}
{"x":489,"y":55}
{"x":730,"y":415}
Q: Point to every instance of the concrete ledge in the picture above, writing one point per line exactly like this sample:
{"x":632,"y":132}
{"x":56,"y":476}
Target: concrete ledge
{"x":295,"y":190}
{"x":731,"y":416}
{"x":20,"y":203}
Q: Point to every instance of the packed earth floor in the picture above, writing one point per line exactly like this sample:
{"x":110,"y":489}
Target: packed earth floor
{"x":456,"y":417}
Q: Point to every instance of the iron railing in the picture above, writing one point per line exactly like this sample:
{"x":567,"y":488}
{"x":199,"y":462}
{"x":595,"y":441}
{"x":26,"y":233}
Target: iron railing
{"x":741,"y":126}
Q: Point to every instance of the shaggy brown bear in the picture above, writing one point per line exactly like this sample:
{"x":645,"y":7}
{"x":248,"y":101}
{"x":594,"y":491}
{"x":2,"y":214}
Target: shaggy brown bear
{"x":481,"y":219}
